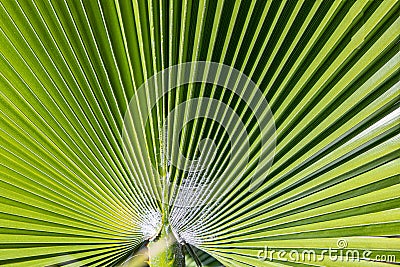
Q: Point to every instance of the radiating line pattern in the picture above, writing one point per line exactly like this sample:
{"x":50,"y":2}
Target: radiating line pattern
{"x":71,"y":195}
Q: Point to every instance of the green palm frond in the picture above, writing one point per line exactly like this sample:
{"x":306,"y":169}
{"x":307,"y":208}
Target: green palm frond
{"x":293,"y":145}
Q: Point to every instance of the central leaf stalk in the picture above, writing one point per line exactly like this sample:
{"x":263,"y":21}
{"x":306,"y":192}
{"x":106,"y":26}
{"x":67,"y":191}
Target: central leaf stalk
{"x":165,"y":250}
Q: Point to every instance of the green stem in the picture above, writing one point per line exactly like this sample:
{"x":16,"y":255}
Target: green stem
{"x":165,"y":250}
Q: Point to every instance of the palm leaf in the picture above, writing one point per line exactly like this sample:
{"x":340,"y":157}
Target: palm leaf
{"x":85,"y":182}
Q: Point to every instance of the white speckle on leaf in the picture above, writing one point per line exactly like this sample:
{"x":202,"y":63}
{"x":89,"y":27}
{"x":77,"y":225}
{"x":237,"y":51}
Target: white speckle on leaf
{"x":151,"y":224}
